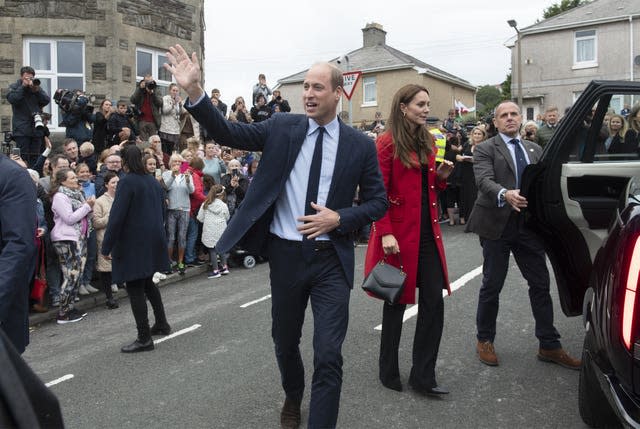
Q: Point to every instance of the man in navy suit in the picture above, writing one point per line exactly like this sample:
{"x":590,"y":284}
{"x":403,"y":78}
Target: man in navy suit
{"x":17,"y":249}
{"x":306,"y":235}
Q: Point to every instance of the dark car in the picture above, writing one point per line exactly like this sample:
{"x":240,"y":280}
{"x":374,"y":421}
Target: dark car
{"x":584,"y":201}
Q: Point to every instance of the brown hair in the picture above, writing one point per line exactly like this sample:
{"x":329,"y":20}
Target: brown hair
{"x":216,"y":191}
{"x":56,"y":181}
{"x":408,"y":139}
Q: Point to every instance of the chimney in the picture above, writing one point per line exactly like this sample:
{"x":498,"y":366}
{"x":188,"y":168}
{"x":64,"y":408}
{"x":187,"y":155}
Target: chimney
{"x":373,"y":34}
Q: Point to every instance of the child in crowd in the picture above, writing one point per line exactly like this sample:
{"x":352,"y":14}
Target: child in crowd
{"x":88,"y":156}
{"x":214,"y":215}
{"x":119,"y":126}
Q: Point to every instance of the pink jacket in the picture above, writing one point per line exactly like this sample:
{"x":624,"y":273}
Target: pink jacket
{"x":65,"y":218}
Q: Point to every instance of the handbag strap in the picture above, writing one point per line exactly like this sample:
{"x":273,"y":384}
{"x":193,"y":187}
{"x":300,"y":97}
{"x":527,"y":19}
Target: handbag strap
{"x":41,"y":268}
{"x":384,"y":258}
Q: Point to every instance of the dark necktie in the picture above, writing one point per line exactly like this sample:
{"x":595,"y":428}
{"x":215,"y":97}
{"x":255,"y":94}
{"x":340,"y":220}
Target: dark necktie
{"x":521,"y":161}
{"x":314,"y":175}
{"x":312,"y":192}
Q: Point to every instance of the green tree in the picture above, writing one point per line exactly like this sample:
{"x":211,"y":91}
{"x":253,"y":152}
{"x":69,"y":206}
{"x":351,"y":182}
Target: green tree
{"x":563,"y":6}
{"x":489,"y":96}
{"x":506,"y":88}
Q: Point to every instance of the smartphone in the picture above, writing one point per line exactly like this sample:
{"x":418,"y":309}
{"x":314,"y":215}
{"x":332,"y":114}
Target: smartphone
{"x":184,"y":166}
{"x":158,"y":172}
{"x":15,"y":151}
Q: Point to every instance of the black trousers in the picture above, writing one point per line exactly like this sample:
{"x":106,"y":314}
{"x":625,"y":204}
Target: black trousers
{"x":298,"y":277}
{"x":530,"y":257}
{"x":429,"y":324}
{"x":139,"y":290}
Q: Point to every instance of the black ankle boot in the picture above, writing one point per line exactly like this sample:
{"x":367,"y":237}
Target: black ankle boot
{"x":138,"y":346}
{"x":161,"y":329}
{"x":112,"y":303}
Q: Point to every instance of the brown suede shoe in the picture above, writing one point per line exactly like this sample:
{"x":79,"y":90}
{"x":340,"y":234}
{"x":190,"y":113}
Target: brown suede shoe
{"x":560,"y":357}
{"x":290,"y":415}
{"x":486,"y":353}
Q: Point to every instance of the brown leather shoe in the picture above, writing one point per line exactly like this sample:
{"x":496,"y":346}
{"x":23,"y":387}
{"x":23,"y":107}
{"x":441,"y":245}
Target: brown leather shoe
{"x":560,"y":357}
{"x":486,"y":353}
{"x":290,"y":415}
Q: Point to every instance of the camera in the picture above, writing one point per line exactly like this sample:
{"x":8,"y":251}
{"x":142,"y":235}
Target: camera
{"x":151,"y":85}
{"x":36,"y":82}
{"x":6,"y":143}
{"x":73,"y":101}
{"x":37,"y":121}
{"x":133,"y":111}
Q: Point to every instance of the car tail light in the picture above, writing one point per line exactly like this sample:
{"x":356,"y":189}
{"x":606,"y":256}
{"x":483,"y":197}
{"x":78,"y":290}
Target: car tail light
{"x":628,"y":307}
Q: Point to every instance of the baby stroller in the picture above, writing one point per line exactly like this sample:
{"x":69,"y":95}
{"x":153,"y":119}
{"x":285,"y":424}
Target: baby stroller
{"x":241,"y":257}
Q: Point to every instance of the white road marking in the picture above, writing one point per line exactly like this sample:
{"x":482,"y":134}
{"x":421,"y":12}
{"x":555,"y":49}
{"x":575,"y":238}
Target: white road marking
{"x":168,"y":337}
{"x":264,"y":298}
{"x":59,"y":380}
{"x":178,"y":333}
{"x":466,"y":278}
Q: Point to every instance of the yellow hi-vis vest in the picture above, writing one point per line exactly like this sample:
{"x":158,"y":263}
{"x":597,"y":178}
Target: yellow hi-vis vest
{"x":441,"y":143}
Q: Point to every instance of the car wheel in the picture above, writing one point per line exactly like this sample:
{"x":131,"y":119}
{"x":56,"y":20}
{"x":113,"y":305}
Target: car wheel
{"x":249,"y":261}
{"x":593,"y":404}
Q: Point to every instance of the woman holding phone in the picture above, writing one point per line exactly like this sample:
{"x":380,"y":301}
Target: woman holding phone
{"x":235,"y":184}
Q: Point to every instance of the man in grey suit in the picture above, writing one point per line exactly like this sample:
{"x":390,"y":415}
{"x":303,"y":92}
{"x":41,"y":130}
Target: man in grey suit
{"x":498,"y":165}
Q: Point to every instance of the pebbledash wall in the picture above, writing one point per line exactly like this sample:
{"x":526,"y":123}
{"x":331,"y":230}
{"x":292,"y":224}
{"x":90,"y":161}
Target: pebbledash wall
{"x":102,"y":47}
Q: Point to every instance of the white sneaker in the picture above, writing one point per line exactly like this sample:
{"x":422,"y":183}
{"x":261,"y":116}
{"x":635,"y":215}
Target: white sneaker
{"x":83,"y":290}
{"x":90,"y":289}
{"x":114,"y":288}
{"x":158,"y":276}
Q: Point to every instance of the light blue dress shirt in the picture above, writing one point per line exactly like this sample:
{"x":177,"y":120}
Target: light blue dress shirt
{"x":512,"y":151}
{"x":290,"y":203}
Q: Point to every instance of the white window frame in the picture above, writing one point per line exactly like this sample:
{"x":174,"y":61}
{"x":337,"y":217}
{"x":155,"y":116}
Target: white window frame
{"x":579,"y":36}
{"x":368,"y":81}
{"x":53,"y":74}
{"x":155,"y":63}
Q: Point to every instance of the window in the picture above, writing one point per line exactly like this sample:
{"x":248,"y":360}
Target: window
{"x":585,"y":49}
{"x":369,"y":91}
{"x":59,"y":63}
{"x":150,"y":61}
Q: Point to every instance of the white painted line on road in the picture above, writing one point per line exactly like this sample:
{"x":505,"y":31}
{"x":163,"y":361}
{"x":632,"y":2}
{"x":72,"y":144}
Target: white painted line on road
{"x":466,"y":278}
{"x":59,"y":380}
{"x":178,"y":333}
{"x":264,"y":298}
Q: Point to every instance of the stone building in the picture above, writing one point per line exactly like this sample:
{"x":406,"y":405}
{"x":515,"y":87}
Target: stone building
{"x":101,"y":47}
{"x":384,"y":70}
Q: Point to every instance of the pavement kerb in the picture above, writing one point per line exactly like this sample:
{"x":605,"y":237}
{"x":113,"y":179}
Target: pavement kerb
{"x":98,"y":299}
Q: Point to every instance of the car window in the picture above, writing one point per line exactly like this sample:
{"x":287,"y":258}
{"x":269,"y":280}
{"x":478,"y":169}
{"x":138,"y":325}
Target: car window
{"x":607,"y":133}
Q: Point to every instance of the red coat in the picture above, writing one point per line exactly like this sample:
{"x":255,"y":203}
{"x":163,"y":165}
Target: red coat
{"x":197,"y":197}
{"x":404,"y":191}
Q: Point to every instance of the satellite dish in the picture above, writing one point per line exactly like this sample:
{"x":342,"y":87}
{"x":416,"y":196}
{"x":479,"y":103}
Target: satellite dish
{"x":636,"y":60}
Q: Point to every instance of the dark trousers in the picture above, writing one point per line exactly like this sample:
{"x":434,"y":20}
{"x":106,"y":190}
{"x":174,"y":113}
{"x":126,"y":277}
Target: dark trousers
{"x":105,"y":282}
{"x":29,"y":148}
{"x":296,"y":279}
{"x":138,"y":290}
{"x":429,"y":324}
{"x":530,"y":257}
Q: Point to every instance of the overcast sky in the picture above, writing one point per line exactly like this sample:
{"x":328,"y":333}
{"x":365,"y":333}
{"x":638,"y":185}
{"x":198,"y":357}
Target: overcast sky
{"x":464,"y":37}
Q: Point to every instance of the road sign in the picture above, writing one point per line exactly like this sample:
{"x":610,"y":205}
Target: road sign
{"x":349,"y":80}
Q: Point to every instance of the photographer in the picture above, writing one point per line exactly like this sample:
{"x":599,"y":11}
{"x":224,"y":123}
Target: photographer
{"x":27,"y":100}
{"x":149,"y":102}
{"x":261,"y":88}
{"x":78,"y":117}
{"x":277,"y":100}
{"x":235,"y":183}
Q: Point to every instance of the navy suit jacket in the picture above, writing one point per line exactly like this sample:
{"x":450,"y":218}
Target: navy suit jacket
{"x":17,"y":249}
{"x":280,"y":139}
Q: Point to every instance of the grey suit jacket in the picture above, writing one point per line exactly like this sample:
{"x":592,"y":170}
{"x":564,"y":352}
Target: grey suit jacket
{"x":494,"y":169}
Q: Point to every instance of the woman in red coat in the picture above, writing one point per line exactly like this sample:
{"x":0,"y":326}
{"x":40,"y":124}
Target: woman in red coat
{"x":410,"y":228}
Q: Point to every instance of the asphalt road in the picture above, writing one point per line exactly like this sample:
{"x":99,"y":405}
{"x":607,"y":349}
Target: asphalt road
{"x":221,"y":372}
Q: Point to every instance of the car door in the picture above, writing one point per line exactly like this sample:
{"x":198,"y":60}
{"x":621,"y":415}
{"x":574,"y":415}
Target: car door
{"x":579,"y":187}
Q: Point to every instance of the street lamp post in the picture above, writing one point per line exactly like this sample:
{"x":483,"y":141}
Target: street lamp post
{"x":512,"y":23}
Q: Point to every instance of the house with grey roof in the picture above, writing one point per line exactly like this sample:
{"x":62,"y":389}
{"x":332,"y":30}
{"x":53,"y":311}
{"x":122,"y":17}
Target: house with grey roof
{"x":384,"y":70}
{"x":562,"y":54}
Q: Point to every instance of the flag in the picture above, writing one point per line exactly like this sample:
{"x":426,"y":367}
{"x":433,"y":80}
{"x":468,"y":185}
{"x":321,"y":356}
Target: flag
{"x":462,"y":108}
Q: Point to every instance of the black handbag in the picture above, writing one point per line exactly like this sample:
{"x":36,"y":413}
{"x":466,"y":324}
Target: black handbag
{"x":385,"y":281}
